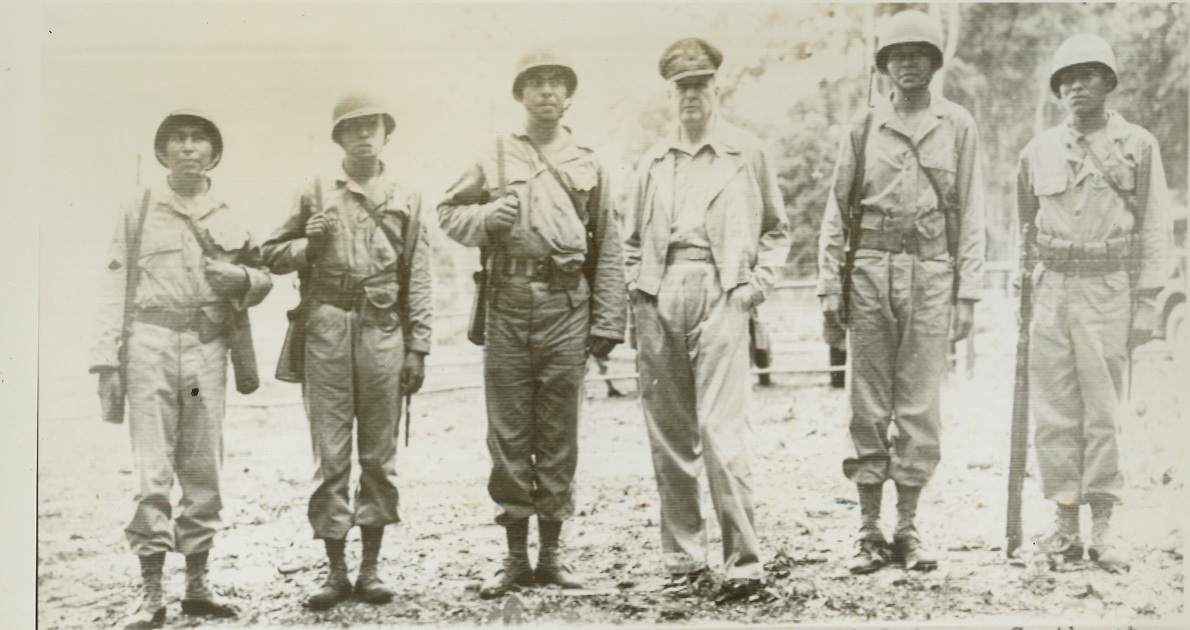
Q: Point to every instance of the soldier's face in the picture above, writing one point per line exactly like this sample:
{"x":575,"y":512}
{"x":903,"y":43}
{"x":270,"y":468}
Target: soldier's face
{"x":910,"y":66}
{"x":363,"y":137}
{"x":1084,"y":88}
{"x":545,"y":94}
{"x":694,"y":99}
{"x":188,"y":150}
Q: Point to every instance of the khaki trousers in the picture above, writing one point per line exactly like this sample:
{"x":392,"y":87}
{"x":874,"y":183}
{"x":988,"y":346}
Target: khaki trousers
{"x":695,"y":386}
{"x":353,"y":373}
{"x":1077,"y":356}
{"x":900,"y":318}
{"x":534,"y":361}
{"x":176,"y":387}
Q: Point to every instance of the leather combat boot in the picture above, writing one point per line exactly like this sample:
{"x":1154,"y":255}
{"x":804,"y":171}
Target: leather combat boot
{"x":368,"y":586}
{"x":517,"y":571}
{"x":874,"y":551}
{"x":550,"y":568}
{"x":152,"y":609}
{"x":337,"y":587}
{"x":1103,"y":549}
{"x":199,"y":599}
{"x":1064,"y":542}
{"x":907,"y":547}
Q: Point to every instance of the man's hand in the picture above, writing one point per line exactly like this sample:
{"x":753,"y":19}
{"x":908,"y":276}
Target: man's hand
{"x":600,"y":347}
{"x":1144,"y":322}
{"x":413,"y":373}
{"x":318,"y":227}
{"x":502,"y":214}
{"x":743,"y":296}
{"x":832,"y":310}
{"x":111,"y":391}
{"x":225,"y":278}
{"x":964,"y":319}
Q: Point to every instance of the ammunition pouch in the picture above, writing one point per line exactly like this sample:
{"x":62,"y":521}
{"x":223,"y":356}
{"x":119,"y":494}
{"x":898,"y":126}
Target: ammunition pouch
{"x":348,"y":291}
{"x":1098,"y":258}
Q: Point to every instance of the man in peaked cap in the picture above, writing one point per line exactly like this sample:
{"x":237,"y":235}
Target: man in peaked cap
{"x":163,"y":345}
{"x":917,"y":272}
{"x":1094,"y":211}
{"x":367,"y":314}
{"x":537,"y":202}
{"x":707,"y":237}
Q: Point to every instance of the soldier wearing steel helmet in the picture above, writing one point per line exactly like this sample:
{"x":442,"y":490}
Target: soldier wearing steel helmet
{"x":707,"y":238}
{"x":1094,"y":211}
{"x":917,"y":235}
{"x":537,"y":201}
{"x":163,"y":346}
{"x":364,"y":350}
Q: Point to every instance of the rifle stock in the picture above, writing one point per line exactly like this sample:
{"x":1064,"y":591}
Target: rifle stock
{"x":1020,"y":415}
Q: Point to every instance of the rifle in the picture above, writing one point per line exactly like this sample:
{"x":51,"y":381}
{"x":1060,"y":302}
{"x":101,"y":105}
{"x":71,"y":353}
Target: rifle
{"x":114,"y":414}
{"x":1019,"y":440}
{"x":477,"y":325}
{"x":855,"y":215}
{"x":239,"y":331}
{"x":291,"y":364}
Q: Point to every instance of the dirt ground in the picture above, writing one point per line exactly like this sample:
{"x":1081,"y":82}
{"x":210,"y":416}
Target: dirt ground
{"x":265,"y":560}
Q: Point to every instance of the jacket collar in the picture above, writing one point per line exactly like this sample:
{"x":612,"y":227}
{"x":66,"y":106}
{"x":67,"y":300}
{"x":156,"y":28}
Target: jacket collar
{"x":207,"y":202}
{"x":571,"y":147}
{"x":884,"y":114}
{"x":1117,"y":127}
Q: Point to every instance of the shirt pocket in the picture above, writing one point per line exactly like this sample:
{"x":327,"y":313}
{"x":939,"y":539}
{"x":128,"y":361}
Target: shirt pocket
{"x":1049,"y":184}
{"x":1121,"y":168}
{"x":162,"y":274}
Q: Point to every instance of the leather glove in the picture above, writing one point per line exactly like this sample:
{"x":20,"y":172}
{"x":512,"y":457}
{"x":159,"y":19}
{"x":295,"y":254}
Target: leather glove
{"x":225,"y":279}
{"x":413,"y":372}
{"x":502,"y":214}
{"x":111,"y":395}
{"x":600,"y":347}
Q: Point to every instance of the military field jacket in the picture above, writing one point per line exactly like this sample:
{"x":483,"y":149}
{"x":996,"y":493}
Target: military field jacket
{"x":548,"y":225}
{"x":745,"y":213}
{"x":897,"y":194}
{"x":1063,"y":188}
{"x":171,"y":264}
{"x":356,"y":245}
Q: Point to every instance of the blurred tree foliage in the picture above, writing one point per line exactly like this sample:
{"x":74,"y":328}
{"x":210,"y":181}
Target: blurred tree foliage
{"x":816,"y":58}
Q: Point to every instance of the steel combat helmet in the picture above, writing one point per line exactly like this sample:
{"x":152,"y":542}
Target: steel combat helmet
{"x":191,"y":116}
{"x":908,"y":27}
{"x":357,"y":106}
{"x":543,"y":58}
{"x":1082,"y":49}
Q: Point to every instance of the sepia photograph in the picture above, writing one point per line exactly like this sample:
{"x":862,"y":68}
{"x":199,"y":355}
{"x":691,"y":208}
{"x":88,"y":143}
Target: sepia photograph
{"x":654,"y":314}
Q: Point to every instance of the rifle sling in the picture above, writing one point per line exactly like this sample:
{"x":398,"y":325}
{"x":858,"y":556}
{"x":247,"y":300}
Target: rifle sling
{"x":588,"y":218}
{"x":1137,"y":212}
{"x":132,"y":276}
